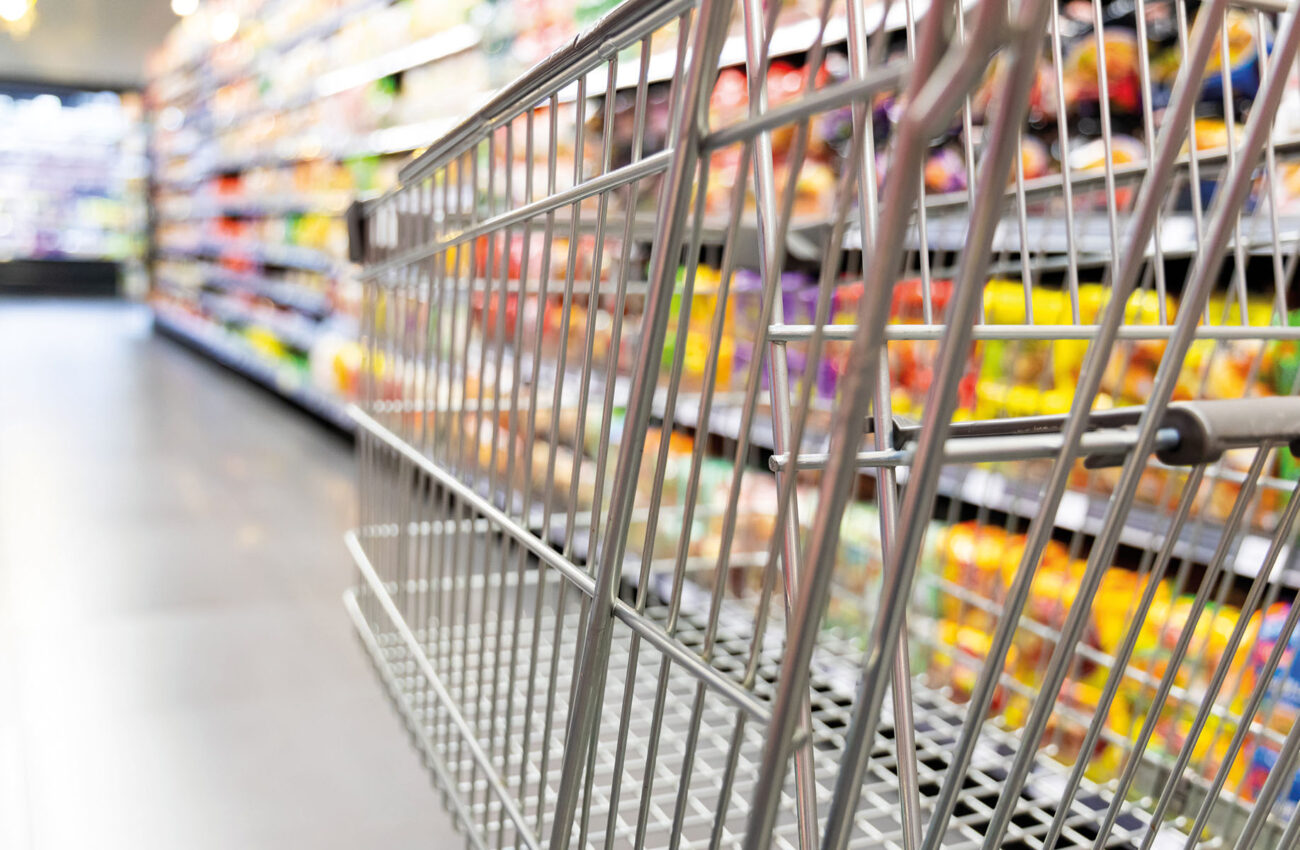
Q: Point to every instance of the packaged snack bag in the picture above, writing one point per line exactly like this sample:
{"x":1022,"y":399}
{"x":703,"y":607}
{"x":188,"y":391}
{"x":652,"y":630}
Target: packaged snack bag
{"x":1281,"y":707}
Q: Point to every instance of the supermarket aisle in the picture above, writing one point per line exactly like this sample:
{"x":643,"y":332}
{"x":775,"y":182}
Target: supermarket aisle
{"x":176,"y":669}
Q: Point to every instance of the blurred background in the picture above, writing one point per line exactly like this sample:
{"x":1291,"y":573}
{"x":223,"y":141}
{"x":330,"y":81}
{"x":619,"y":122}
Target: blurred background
{"x":179,"y":326}
{"x":179,"y":319}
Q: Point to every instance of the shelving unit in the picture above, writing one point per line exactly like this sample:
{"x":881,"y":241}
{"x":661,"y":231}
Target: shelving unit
{"x":72,"y":190}
{"x":231,"y":351}
{"x":261,"y":138}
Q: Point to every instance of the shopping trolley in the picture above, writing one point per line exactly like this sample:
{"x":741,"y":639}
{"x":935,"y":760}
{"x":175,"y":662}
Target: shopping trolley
{"x":731,"y":371}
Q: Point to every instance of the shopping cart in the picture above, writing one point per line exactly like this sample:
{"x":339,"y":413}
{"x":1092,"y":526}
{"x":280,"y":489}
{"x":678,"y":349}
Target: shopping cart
{"x":710,"y":397}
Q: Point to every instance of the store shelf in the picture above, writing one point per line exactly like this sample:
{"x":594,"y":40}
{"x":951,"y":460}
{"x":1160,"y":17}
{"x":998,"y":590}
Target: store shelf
{"x":261,"y":253}
{"x":439,"y":46}
{"x":320,"y":29}
{"x":258,"y":206}
{"x":991,"y":490}
{"x":222,"y":347}
{"x":312,"y":302}
{"x":1082,"y":513}
{"x":409,"y":57}
{"x":790,"y":39}
{"x":401,"y":138}
{"x":294,"y":332}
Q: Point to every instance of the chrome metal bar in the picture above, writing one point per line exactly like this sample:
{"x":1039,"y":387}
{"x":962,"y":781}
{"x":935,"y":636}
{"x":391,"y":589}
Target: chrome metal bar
{"x":1226,"y":201}
{"x":896,"y":333}
{"x":930,"y":104}
{"x":919,"y":496}
{"x":674,"y":201}
{"x":621,"y":28}
{"x":884,"y":78}
{"x":574,"y":575}
{"x":652,"y":164}
{"x":989,"y":449}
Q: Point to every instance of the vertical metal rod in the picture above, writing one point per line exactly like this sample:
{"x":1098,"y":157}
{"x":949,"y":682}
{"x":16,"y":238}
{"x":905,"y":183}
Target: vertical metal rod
{"x":1173,"y":129}
{"x":917,"y":504}
{"x":602,"y":452}
{"x":886,"y":481}
{"x":530,"y":448}
{"x":593,"y":659}
{"x":1196,"y":293}
{"x":770,"y":265}
{"x":1279,"y":778}
{"x":929,"y":104}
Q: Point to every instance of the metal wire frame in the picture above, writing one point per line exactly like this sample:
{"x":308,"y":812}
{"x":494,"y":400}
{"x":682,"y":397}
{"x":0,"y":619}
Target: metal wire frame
{"x":868,"y":342}
{"x":445,"y":401}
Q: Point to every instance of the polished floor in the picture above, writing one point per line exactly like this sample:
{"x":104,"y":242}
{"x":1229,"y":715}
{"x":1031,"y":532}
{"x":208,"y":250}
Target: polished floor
{"x":176,"y":668}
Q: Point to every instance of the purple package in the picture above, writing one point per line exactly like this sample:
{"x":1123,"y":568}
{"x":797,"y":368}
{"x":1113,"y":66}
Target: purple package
{"x":796,"y":362}
{"x":747,"y":301}
{"x":794,"y":301}
{"x":808,"y":304}
{"x":828,"y":379}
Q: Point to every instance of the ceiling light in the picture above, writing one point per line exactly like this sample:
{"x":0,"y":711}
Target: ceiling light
{"x":185,"y":8}
{"x":225,"y":24}
{"x":13,"y":11}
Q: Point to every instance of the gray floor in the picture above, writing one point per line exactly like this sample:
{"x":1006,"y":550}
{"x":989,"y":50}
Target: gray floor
{"x":176,"y":669}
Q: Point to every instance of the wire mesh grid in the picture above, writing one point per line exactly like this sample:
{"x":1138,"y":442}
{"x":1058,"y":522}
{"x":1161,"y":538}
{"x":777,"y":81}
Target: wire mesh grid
{"x":768,"y":375}
{"x":645,"y":813}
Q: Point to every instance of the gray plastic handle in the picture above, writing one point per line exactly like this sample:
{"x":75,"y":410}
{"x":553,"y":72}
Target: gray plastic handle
{"x":1207,"y":429}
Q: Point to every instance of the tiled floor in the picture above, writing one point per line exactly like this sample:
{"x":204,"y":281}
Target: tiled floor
{"x":176,"y":668}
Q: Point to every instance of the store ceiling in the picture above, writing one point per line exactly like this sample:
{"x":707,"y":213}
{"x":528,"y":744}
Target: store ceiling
{"x":88,"y":42}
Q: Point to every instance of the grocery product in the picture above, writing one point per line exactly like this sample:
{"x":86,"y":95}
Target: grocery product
{"x":1282,"y":707}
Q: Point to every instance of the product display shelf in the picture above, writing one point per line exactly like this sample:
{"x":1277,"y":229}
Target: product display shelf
{"x":202,"y":222}
{"x":324,"y":27}
{"x":398,"y":139}
{"x":256,"y":206}
{"x":979,"y":488}
{"x":230,"y":351}
{"x":312,"y":302}
{"x":262,"y":253}
{"x":423,"y":52}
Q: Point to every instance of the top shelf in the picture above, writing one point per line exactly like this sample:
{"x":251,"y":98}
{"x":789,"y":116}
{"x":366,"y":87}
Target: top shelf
{"x":789,"y":39}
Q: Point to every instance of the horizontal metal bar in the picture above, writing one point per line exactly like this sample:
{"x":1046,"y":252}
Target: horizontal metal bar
{"x":865,"y":460}
{"x":531,"y":286}
{"x":1003,"y":447}
{"x":648,"y":630}
{"x":468,"y":734}
{"x":609,"y":180}
{"x":504,"y":523}
{"x":1052,"y":185}
{"x":628,"y":22}
{"x":820,"y":100}
{"x":1047,"y":333}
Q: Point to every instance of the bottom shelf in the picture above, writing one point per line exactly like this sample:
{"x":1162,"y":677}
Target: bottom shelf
{"x":60,"y":277}
{"x":221,"y":346}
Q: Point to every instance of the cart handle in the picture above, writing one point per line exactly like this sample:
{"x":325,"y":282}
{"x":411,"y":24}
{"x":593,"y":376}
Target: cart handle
{"x":1206,"y":429}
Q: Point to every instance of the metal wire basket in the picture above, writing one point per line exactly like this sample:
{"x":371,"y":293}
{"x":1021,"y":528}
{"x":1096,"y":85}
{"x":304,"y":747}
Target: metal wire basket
{"x":711,"y":395}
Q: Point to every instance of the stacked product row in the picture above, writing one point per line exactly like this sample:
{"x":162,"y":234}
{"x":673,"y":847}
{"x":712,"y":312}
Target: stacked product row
{"x":269,"y":118}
